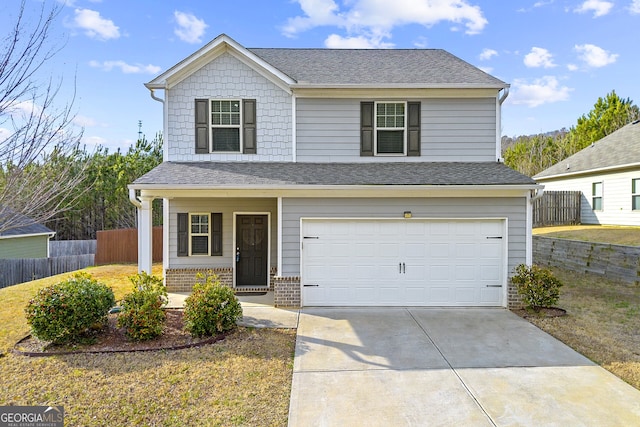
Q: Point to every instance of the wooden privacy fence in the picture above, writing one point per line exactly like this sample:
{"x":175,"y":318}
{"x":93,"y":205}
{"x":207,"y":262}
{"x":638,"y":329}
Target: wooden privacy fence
{"x":14,"y":271}
{"x":121,"y":246}
{"x":557,"y":208}
{"x":58,"y":248}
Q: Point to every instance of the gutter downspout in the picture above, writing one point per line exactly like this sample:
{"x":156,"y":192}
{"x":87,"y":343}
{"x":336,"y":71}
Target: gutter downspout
{"x":499,"y":102}
{"x":154,"y":97}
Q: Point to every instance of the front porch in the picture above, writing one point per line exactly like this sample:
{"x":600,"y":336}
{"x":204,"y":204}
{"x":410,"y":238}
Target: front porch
{"x":258,"y":310}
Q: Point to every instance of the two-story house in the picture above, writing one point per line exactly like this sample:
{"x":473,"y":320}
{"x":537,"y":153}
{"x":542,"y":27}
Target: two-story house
{"x":337,"y":177}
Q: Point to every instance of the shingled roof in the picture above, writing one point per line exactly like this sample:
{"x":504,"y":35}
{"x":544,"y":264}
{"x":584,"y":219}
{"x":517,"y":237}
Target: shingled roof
{"x":619,"y":149}
{"x":321,"y":68}
{"x":288,"y":174}
{"x":428,"y":67}
{"x":20,"y":224}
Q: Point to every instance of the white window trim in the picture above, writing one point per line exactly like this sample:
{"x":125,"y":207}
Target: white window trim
{"x":636,"y":193}
{"x":375,"y":129}
{"x":191,"y":214}
{"x":601,"y":196}
{"x":239,"y":126}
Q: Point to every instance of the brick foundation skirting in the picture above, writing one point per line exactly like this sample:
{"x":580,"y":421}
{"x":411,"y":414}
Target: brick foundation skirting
{"x":183,"y":279}
{"x":286,"y":291}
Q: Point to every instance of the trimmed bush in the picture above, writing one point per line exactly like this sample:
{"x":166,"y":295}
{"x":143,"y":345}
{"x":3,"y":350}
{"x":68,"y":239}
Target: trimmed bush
{"x":65,"y":311}
{"x":142,"y":311}
{"x":537,"y":286}
{"x":211,"y":308}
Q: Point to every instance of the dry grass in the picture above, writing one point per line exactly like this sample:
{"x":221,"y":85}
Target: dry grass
{"x":602,"y":322}
{"x":616,"y":235}
{"x":242,"y":380}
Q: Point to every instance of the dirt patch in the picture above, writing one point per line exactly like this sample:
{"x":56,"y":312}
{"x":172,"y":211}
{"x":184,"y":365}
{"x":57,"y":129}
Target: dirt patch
{"x":111,"y":339}
{"x":544,"y":312}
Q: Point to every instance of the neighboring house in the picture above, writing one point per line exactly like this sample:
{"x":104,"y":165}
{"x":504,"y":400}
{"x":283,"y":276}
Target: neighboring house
{"x":608,"y":175}
{"x":337,"y":177}
{"x":28,"y":240}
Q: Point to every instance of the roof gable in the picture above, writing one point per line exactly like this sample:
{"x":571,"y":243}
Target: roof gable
{"x":290,"y":68}
{"x":618,"y":150}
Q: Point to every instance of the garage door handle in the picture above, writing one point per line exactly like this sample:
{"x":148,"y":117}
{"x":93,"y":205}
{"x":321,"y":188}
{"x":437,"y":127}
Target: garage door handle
{"x":402,"y":268}
{"x":310,"y":286}
{"x":494,"y":237}
{"x":494,"y":286}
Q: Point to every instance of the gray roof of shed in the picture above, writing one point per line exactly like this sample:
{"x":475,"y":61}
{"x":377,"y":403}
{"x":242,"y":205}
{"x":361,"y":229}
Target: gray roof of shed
{"x":618,"y":149}
{"x":267,"y":174}
{"x":428,"y":67}
{"x":21,"y":224}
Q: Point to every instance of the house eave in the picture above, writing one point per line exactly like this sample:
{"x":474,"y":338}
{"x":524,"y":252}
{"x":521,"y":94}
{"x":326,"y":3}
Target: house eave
{"x":589,"y":172}
{"x":335,"y":191}
{"x":303,"y":85}
{"x":15,"y":236}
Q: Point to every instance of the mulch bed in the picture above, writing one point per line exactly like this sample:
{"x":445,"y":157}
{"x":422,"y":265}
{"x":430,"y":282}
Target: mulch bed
{"x":112,"y":339}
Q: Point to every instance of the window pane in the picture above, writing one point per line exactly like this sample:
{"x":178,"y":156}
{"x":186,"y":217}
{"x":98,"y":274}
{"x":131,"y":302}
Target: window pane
{"x":635,"y":186}
{"x":226,"y":119}
{"x":199,"y":245}
{"x":215,"y":106}
{"x":390,"y":142}
{"x":635,"y":202}
{"x":235,"y":106}
{"x":597,"y":203}
{"x":235,"y":119}
{"x":597,"y":189}
{"x":381,"y":110}
{"x":215,"y":119}
{"x":226,"y":139}
{"x":226,"y":106}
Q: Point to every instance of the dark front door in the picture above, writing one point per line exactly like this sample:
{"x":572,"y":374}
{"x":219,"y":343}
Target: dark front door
{"x":251,"y":250}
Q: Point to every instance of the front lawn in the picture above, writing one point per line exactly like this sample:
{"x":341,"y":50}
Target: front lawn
{"x":602,"y":322}
{"x":616,"y":235}
{"x":244,"y":379}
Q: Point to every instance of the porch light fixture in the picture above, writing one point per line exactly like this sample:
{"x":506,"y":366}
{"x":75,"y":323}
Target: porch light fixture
{"x":407,"y":214}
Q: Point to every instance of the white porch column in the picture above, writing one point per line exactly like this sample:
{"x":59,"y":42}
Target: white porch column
{"x":145,"y":233}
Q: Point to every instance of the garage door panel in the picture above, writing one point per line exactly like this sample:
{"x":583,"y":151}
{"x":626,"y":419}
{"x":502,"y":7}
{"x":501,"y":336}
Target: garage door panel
{"x":403,"y":263}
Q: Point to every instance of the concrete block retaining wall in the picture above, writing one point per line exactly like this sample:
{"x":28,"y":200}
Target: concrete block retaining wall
{"x":611,"y":261}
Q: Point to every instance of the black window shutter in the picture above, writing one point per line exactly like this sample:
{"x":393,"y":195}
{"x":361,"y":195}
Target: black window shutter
{"x":366,"y":128}
{"x":183,"y":234}
{"x":413,"y":129}
{"x":216,"y":234}
{"x":249,"y":126}
{"x":202,"y":126}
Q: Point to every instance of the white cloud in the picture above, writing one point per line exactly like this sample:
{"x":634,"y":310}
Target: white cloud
{"x":126,"y":68}
{"x":190,"y":28}
{"x":487,"y":70}
{"x":595,"y":56}
{"x":572,"y":67}
{"x":541,"y":91}
{"x":94,"y":141}
{"x":375,"y":19}
{"x":539,"y":57}
{"x":599,"y":7}
{"x":486,"y":54}
{"x":84,"y":121}
{"x":335,"y":41}
{"x":634,"y":7}
{"x":5,"y":134}
{"x":94,"y":25}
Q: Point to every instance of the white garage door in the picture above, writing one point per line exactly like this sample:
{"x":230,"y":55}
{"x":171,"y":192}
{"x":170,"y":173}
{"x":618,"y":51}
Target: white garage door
{"x":412,"y":262}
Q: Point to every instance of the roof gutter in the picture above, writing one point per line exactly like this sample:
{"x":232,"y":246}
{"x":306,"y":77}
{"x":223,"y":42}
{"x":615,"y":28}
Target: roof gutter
{"x":505,"y":93}
{"x":133,"y":198}
{"x":153,"y":95}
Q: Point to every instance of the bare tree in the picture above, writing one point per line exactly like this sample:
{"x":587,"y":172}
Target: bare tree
{"x":39,"y":143}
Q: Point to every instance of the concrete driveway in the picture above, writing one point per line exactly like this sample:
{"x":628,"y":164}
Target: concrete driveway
{"x":446,"y":367}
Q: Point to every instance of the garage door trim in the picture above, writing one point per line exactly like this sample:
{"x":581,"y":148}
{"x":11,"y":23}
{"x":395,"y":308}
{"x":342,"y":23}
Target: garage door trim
{"x":503,"y":263}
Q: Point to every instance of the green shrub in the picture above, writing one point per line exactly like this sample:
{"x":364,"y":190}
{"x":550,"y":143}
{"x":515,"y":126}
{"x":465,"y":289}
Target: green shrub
{"x":211,"y":308}
{"x":142,"y":314}
{"x":63,"y":312}
{"x":537,"y":286}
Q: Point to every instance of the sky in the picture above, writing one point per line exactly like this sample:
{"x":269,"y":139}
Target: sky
{"x":559,"y":56}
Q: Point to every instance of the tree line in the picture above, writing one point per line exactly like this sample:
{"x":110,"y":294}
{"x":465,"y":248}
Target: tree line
{"x":535,"y":153}
{"x":101,"y":200}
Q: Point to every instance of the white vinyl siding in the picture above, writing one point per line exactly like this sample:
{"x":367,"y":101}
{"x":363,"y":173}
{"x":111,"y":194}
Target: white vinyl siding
{"x":293,"y":209}
{"x":617,"y":208}
{"x":452,"y":130}
{"x":225,"y":206}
